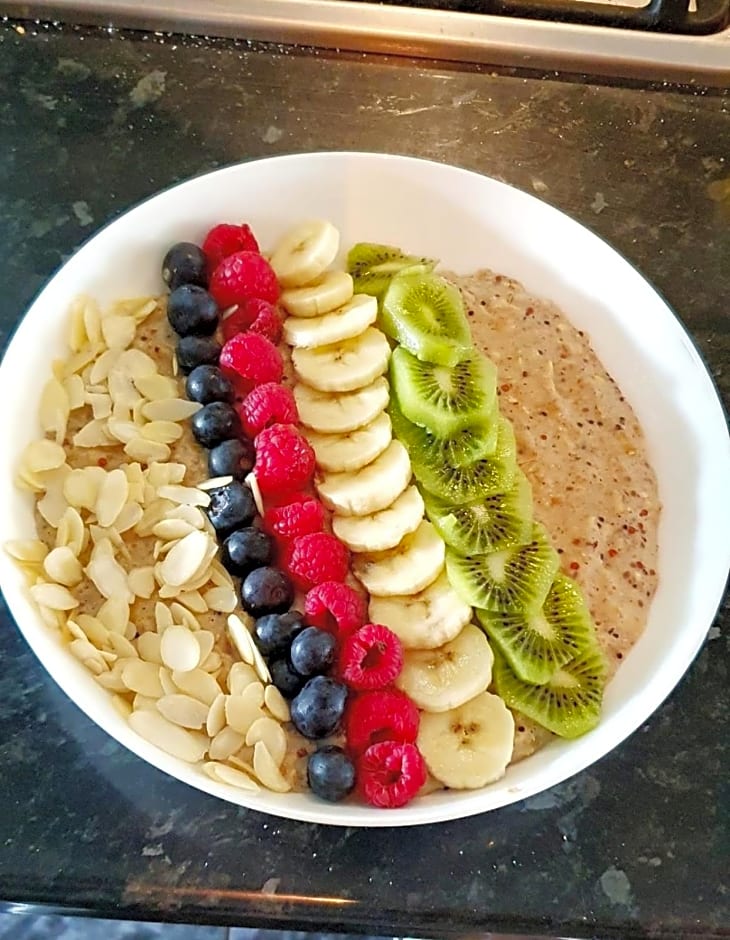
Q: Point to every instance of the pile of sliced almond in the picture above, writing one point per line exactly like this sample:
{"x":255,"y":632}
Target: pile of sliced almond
{"x":127,"y":569}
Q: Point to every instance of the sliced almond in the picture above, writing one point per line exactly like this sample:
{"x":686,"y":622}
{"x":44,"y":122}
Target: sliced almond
{"x":214,"y":482}
{"x":206,"y":641}
{"x":109,"y":578}
{"x":253,"y":485}
{"x":170,"y":738}
{"x":222,"y":599}
{"x":230,"y":775}
{"x":267,"y":771}
{"x":241,"y":638}
{"x":167,"y":682}
{"x":183,"y":616}
{"x":92,"y":434}
{"x":183,"y":561}
{"x":148,"y":647}
{"x":169,"y":529}
{"x":81,"y":487}
{"x":164,"y":432}
{"x":94,"y":630}
{"x":26,"y":549}
{"x":71,"y":532}
{"x":212,"y":662}
{"x":155,"y":386}
{"x":128,"y":518}
{"x":225,"y":743}
{"x":54,"y":596}
{"x":272,"y":735}
{"x":42,"y":455}
{"x":170,"y":409}
{"x":163,"y":617}
{"x":122,"y":646}
{"x":183,"y":710}
{"x":112,"y":497}
{"x":54,"y":409}
{"x":276,"y":703}
{"x":179,"y":649}
{"x":144,"y":703}
{"x":216,"y":720}
{"x":199,"y":684}
{"x":136,"y":364}
{"x":242,"y":710}
{"x":114,"y":614}
{"x":118,"y":332}
{"x":138,"y":448}
{"x":139,"y":676}
{"x":62,"y":566}
{"x":193,"y":600}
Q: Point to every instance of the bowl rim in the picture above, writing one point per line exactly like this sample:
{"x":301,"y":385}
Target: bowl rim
{"x":594,"y":745}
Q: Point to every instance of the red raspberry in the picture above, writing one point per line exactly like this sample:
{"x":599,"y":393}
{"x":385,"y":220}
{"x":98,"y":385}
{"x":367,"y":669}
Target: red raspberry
{"x":226,"y":239}
{"x":284,"y":460}
{"x":242,"y":275}
{"x":312,"y":559}
{"x":335,"y":607}
{"x":302,"y":516}
{"x":384,"y":715}
{"x":252,"y":357}
{"x":370,"y":658}
{"x":267,"y":404}
{"x":267,"y":321}
{"x":390,"y":774}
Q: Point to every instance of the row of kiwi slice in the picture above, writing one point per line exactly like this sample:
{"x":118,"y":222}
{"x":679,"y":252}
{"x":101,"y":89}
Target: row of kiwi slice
{"x":444,"y":408}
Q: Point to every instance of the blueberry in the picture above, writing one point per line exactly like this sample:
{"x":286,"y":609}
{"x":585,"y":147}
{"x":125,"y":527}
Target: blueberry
{"x":266,"y":591}
{"x":284,"y":678}
{"x":195,"y":351}
{"x":192,"y":311}
{"x":215,"y":423}
{"x":274,"y":632}
{"x":234,"y":458}
{"x":184,"y":264}
{"x":206,"y":384}
{"x":231,"y":507}
{"x":330,"y":773}
{"x":312,"y":652}
{"x":246,"y":549}
{"x":316,"y":711}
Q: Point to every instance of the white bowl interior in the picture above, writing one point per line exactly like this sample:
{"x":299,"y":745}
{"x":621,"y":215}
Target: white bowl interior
{"x":468,"y":221}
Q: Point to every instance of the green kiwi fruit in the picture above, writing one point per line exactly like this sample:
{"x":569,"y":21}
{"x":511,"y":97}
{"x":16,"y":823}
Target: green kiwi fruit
{"x":474,"y":481}
{"x":488,"y":525}
{"x":373,"y":266}
{"x":444,"y":399}
{"x":425,"y":315}
{"x":537,"y":642}
{"x":462,"y":448}
{"x":568,"y":704}
{"x":516,"y":578}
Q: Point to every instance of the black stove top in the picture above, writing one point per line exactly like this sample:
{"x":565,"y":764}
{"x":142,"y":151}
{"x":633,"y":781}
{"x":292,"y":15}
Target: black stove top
{"x":669,"y":16}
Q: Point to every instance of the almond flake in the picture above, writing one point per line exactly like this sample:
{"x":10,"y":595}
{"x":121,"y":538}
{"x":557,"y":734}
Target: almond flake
{"x":62,"y":566}
{"x":276,"y":703}
{"x":40,"y":456}
{"x":148,"y":647}
{"x":156,"y":387}
{"x":143,"y":703}
{"x":122,"y":646}
{"x":179,"y":649}
{"x":267,"y":771}
{"x":253,"y":484}
{"x":92,"y":320}
{"x":54,"y":596}
{"x":109,"y":578}
{"x":170,"y":738}
{"x":212,"y":662}
{"x":272,"y":735}
{"x":163,"y":617}
{"x":242,"y":710}
{"x":112,"y":681}
{"x":167,"y":682}
{"x":259,"y":664}
{"x":26,"y":549}
{"x":235,"y":778}
{"x":53,"y":505}
{"x":225,"y":743}
{"x":199,"y":684}
{"x":170,"y":409}
{"x":183,"y":561}
{"x":169,"y":529}
{"x":75,"y":392}
{"x":141,"y":581}
{"x":183,"y":710}
{"x":92,"y":434}
{"x":71,"y":531}
{"x":184,"y":495}
{"x":164,"y":432}
{"x":214,"y":482}
{"x":136,"y":364}
{"x":94,"y":630}
{"x":123,"y":430}
{"x":54,"y":409}
{"x":77,"y":330}
{"x":112,"y":497}
{"x":193,"y":600}
{"x":221,"y":599}
{"x":114,"y":614}
{"x":128,"y":518}
{"x":122,"y":390}
{"x":219,"y":576}
{"x":146,"y":451}
{"x":216,"y":720}
{"x":241,"y":638}
{"x":240,"y":676}
{"x":143,"y":677}
{"x":101,"y":405}
{"x":118,"y":332}
{"x":88,"y":656}
{"x":81,"y":487}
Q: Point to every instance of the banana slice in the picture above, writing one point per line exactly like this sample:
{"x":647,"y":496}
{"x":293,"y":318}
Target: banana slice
{"x":369,"y":489}
{"x":408,"y":568}
{"x":470,"y":746}
{"x":382,"y":530}
{"x":346,"y":322}
{"x":327,"y":292}
{"x":424,"y":620}
{"x":336,"y":414}
{"x":341,"y":453}
{"x":345,"y":366}
{"x":450,"y":675}
{"x":305,"y":253}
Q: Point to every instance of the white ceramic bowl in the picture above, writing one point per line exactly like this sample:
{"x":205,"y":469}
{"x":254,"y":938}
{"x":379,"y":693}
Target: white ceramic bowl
{"x":467,"y":221}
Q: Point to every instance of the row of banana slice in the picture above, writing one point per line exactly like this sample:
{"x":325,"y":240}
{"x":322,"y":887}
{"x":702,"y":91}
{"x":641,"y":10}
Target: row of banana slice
{"x":364,"y":477}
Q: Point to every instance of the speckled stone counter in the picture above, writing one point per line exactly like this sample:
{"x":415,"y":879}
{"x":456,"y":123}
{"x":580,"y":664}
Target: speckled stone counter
{"x":90,"y":123}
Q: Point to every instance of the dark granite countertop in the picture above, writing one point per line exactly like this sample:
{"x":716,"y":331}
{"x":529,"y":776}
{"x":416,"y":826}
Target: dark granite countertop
{"x":92,"y":122}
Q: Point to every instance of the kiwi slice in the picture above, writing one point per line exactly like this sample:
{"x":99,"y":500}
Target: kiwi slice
{"x":536,"y":643}
{"x":460,"y":449}
{"x":491,"y":524}
{"x":516,"y":578}
{"x":444,"y":399}
{"x":475,"y":480}
{"x":425,"y":314}
{"x":373,"y":266}
{"x":568,"y":704}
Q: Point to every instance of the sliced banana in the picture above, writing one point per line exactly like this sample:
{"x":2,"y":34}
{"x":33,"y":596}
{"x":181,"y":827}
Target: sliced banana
{"x":450,"y":675}
{"x":305,"y":252}
{"x":470,"y":746}
{"x":343,"y":367}
{"x":384,"y":529}
{"x":412,"y":565}
{"x":369,"y":489}
{"x":329,"y":291}
{"x":341,"y":453}
{"x":336,"y":414}
{"x":425,"y":620}
{"x":344,"y":323}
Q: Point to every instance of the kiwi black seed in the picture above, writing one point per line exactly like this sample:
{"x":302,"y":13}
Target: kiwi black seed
{"x":568,"y":704}
{"x":536,"y":643}
{"x":374,"y":266}
{"x":488,"y":525}
{"x":444,"y":399}
{"x":424,"y":313}
{"x":516,"y":578}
